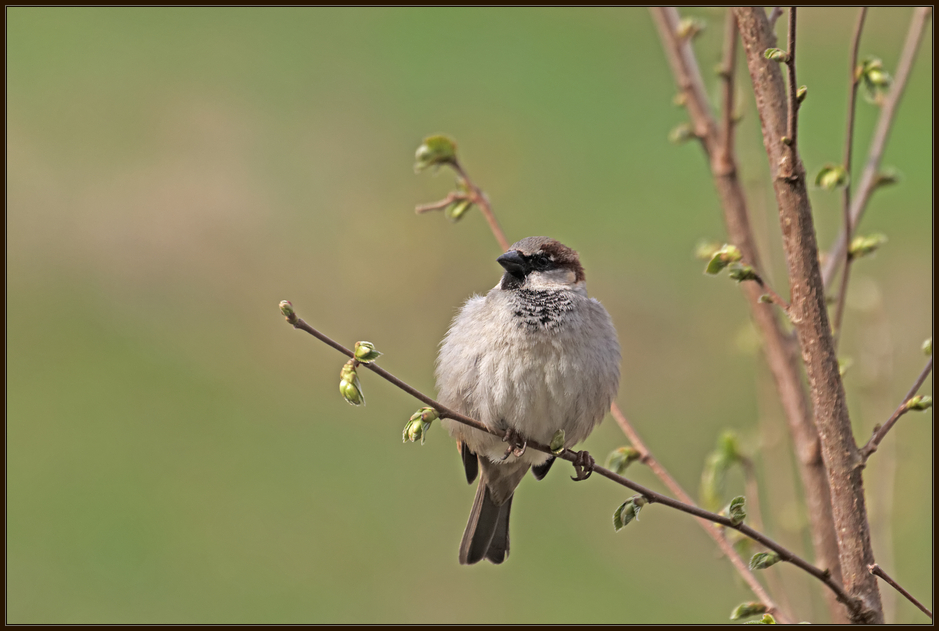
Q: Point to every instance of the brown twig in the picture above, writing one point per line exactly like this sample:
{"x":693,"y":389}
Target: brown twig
{"x":881,"y":431}
{"x":846,"y":193}
{"x":809,"y":313}
{"x":876,"y":570}
{"x":443,"y":203}
{"x":779,"y":348}
{"x":728,"y":68}
{"x":479,"y":198}
{"x":793,"y":118}
{"x":774,"y":15}
{"x":653,"y":497}
{"x":868,"y":181}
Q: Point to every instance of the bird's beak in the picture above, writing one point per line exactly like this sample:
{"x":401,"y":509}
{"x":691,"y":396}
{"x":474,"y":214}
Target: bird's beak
{"x":514,"y":264}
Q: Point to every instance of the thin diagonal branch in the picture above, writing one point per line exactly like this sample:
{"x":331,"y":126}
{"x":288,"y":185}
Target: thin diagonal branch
{"x":876,"y":570}
{"x":880,"y":432}
{"x":868,"y":181}
{"x":778,"y":347}
{"x":846,"y":193}
{"x":653,"y":497}
{"x":480,"y":199}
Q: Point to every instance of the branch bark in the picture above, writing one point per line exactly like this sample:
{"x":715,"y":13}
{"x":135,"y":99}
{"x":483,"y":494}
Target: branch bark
{"x":810,"y":318}
{"x":779,"y":349}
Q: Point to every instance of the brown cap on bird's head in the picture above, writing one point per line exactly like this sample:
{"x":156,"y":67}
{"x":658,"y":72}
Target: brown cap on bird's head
{"x":560,"y":254}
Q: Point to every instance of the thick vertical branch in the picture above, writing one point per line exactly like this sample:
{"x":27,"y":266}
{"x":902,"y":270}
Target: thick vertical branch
{"x":779,"y":349}
{"x":810,"y":318}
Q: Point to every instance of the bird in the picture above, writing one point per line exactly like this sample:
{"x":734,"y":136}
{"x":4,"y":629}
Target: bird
{"x":533,"y":356}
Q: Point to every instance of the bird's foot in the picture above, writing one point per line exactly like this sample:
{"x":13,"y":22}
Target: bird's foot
{"x":583,"y":465}
{"x":517,"y":444}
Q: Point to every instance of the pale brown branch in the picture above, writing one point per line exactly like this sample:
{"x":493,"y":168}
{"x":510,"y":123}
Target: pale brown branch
{"x":876,"y":570}
{"x":443,"y":203}
{"x":881,"y":431}
{"x":728,"y":68}
{"x":846,"y":193}
{"x":868,"y":181}
{"x":779,"y":348}
{"x":480,"y":199}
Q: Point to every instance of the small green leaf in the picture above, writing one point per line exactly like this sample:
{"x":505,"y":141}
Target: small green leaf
{"x":365,"y":352}
{"x":425,"y":414}
{"x":722,"y":258}
{"x":681,"y":134}
{"x":455,"y":211}
{"x":557,"y":442}
{"x":876,"y":80}
{"x":865,"y":245}
{"x":887,"y":177}
{"x":349,"y":386}
{"x":745,"y":610}
{"x":434,"y":152}
{"x":776,"y":54}
{"x":766,"y":619}
{"x":920,"y":402}
{"x":765,"y":298}
{"x":286,"y":307}
{"x":844,"y":365}
{"x":689,"y":28}
{"x":621,"y":458}
{"x":801,"y":93}
{"x":927,"y":347}
{"x":741,"y":273}
{"x":831,"y":177}
{"x":729,"y":446}
{"x":763,"y":560}
{"x":627,"y":511}
{"x":736,"y":510}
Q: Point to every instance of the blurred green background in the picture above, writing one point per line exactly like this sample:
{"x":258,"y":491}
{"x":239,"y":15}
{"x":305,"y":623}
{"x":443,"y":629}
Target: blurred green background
{"x":177,"y":453}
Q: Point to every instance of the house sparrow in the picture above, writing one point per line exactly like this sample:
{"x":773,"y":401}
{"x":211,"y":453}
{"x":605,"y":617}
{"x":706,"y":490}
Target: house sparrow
{"x":532,"y":356}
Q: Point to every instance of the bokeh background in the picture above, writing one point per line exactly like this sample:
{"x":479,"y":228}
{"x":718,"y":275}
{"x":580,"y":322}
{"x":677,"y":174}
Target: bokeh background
{"x":177,"y":453}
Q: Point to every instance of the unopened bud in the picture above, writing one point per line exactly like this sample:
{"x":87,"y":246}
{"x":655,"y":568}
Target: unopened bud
{"x":741,"y":273}
{"x":621,"y":458}
{"x":690,"y":28}
{"x":737,"y":510}
{"x":628,"y":511}
{"x":887,"y":177}
{"x":865,"y":245}
{"x":425,"y":414}
{"x":927,"y":347}
{"x":434,"y":152}
{"x":763,"y":560}
{"x":766,"y":619}
{"x":776,"y":54}
{"x":455,"y":211}
{"x":681,"y":134}
{"x":349,"y":386}
{"x":415,"y":429}
{"x":557,"y":442}
{"x":745,"y":610}
{"x":365,"y":352}
{"x":801,"y":93}
{"x":920,"y":403}
{"x":831,"y":176}
{"x":286,"y":307}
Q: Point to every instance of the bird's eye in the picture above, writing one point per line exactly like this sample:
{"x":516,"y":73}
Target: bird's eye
{"x":540,"y":262}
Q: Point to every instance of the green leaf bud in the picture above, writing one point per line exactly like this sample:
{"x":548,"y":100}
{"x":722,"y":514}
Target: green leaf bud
{"x":434,"y":152}
{"x":415,"y":429}
{"x":844,"y":365}
{"x":621,"y":458}
{"x":722,"y":258}
{"x":887,"y":177}
{"x":705,"y":249}
{"x":766,"y":619}
{"x":689,"y":28}
{"x":801,"y":93}
{"x":865,"y":245}
{"x":927,"y":347}
{"x":455,"y":211}
{"x":681,"y":134}
{"x":763,"y":560}
{"x":365,"y":352}
{"x":776,"y":54}
{"x":741,"y":273}
{"x":349,"y":386}
{"x":627,"y":511}
{"x":920,"y":402}
{"x":737,"y":510}
{"x":831,"y":176}
{"x":557,"y":442}
{"x":745,"y":610}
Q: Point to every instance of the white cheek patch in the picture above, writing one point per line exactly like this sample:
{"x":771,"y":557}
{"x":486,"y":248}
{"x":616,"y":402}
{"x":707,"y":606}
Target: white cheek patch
{"x":561,"y":277}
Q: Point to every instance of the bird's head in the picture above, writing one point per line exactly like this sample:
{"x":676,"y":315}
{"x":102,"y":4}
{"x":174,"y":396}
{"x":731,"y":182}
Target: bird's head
{"x":541,"y":263}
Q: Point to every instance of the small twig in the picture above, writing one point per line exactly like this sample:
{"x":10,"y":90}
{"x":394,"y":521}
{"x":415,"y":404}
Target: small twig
{"x":868,"y":179}
{"x":479,"y":198}
{"x":774,"y":298}
{"x":572,"y":456}
{"x":728,"y":67}
{"x":774,"y":15}
{"x":881,"y":431}
{"x":443,"y":203}
{"x":876,"y":570}
{"x":846,"y":194}
{"x":792,"y":129}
